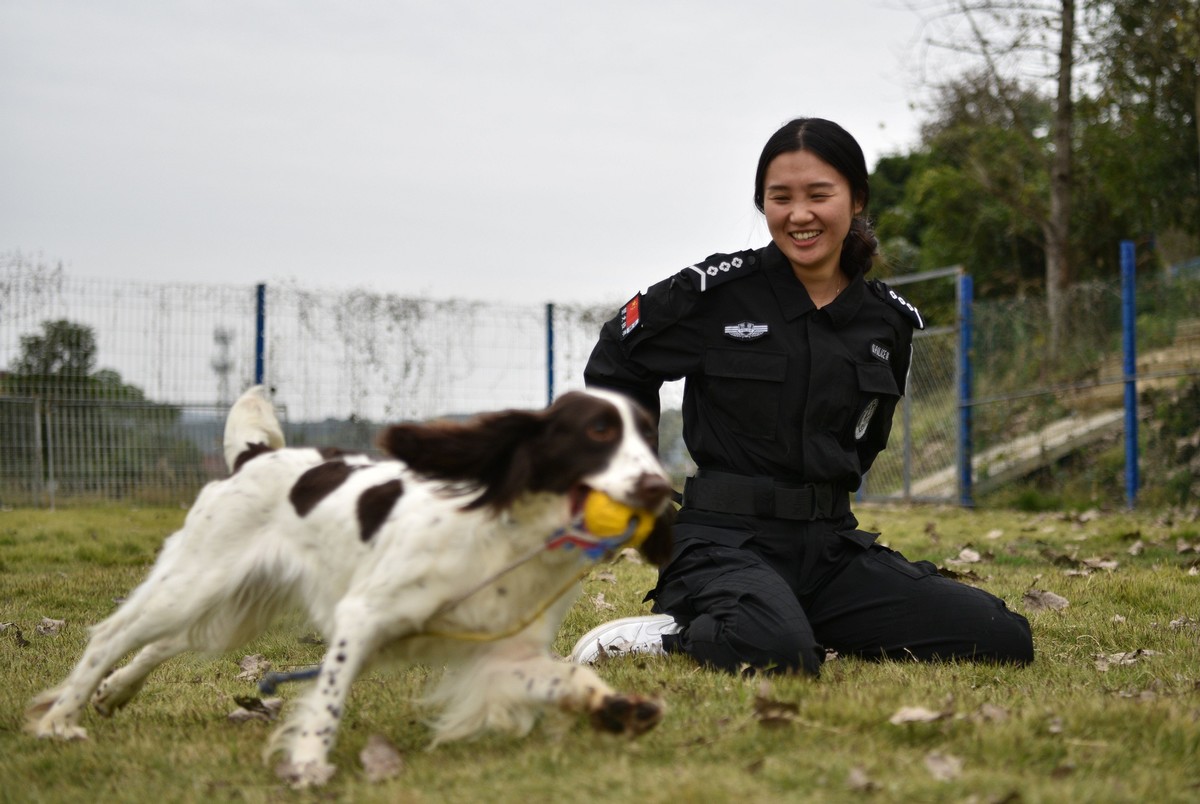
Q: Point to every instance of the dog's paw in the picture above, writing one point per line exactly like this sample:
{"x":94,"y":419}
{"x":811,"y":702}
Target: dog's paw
{"x":627,"y":714}
{"x":41,"y":721}
{"x":56,"y":729}
{"x":300,"y":775}
{"x":107,"y":699}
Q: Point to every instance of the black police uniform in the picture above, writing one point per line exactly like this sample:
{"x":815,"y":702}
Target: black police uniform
{"x":785,"y":407}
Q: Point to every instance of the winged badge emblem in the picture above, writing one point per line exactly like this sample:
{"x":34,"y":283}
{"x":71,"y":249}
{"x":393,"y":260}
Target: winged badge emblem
{"x":746,"y":331}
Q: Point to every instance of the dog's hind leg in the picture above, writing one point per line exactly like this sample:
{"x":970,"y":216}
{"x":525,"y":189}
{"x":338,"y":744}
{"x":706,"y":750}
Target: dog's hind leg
{"x":55,"y":712}
{"x":119,"y":686}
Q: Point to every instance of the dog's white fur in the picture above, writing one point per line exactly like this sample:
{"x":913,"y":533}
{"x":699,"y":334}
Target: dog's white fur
{"x":246,"y":552}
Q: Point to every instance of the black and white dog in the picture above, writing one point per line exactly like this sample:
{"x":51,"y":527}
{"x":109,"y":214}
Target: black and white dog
{"x":443,"y":554}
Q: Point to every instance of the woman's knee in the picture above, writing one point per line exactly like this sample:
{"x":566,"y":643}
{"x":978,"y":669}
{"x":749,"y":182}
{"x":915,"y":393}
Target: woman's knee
{"x":734,"y":643}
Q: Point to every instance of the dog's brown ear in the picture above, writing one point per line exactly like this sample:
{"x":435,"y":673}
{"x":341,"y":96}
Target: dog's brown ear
{"x":657,"y":546}
{"x":488,"y":452}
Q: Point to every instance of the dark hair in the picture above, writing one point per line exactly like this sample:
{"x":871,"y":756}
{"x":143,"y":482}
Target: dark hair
{"x":834,"y":145}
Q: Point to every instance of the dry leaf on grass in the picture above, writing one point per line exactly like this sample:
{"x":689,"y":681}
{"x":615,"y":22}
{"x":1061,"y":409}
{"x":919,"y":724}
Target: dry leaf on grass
{"x":858,"y":780}
{"x":49,"y":627}
{"x":1041,"y":600}
{"x":965,"y":556}
{"x":1100,"y":563}
{"x":990,"y":713}
{"x":253,"y":667}
{"x":631,"y":555}
{"x":605,"y":575}
{"x":917,"y":714}
{"x":1106,"y":660}
{"x":18,"y":637}
{"x":965,"y":575}
{"x":772,"y":712}
{"x":381,"y":760}
{"x":250,"y":708}
{"x":943,"y":767}
{"x":600,"y":604}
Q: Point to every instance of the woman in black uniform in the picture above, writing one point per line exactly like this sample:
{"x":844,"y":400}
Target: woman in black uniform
{"x":794,"y":363}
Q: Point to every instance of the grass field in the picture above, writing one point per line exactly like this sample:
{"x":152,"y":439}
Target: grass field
{"x":1109,"y":711}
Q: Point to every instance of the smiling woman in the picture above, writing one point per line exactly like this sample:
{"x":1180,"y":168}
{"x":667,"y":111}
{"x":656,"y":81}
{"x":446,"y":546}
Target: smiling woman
{"x":794,"y":364}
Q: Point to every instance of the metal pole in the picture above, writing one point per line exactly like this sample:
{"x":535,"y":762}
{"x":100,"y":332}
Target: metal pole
{"x":549,"y":353}
{"x":1129,"y":343}
{"x":38,"y":462}
{"x":260,"y":332}
{"x":51,"y":482}
{"x":966,"y":298}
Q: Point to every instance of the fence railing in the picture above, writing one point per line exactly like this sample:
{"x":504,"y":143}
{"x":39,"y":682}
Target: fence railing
{"x":138,"y":414}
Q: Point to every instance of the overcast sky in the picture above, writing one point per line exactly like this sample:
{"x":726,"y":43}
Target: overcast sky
{"x":523,"y":150}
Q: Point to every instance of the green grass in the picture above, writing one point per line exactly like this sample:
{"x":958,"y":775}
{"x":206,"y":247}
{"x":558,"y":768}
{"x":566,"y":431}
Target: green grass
{"x":1060,"y":730}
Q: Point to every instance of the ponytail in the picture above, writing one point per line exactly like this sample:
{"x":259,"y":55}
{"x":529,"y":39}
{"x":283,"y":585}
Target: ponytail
{"x":859,"y":248}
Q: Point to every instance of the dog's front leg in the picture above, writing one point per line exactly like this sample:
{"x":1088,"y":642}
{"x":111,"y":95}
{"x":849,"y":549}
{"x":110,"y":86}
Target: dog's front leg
{"x":577,"y":688}
{"x":310,"y":731}
{"x":504,"y":690}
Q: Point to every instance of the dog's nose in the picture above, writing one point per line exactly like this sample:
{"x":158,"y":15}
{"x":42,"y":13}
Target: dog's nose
{"x":652,"y":490}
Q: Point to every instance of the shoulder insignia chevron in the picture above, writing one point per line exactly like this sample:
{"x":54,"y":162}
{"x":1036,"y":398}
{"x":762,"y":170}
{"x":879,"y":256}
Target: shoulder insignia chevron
{"x":720,"y":268}
{"x":899,"y":302}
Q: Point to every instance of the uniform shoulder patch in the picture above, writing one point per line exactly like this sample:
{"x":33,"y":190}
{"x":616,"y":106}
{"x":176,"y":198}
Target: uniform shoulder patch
{"x":720,"y":268}
{"x":892,"y":298}
{"x":631,"y":316}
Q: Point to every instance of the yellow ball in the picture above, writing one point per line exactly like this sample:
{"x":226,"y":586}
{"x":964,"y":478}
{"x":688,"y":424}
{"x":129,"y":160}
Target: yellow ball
{"x":605,"y":517}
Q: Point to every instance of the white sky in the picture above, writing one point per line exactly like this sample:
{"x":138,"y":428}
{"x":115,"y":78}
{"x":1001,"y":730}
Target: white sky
{"x":519,"y":150}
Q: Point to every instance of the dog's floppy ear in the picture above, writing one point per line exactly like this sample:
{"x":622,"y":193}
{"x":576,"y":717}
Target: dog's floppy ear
{"x":489,"y":452}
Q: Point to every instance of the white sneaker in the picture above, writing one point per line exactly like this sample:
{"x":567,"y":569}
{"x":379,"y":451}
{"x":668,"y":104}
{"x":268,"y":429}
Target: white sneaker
{"x":627,"y":635}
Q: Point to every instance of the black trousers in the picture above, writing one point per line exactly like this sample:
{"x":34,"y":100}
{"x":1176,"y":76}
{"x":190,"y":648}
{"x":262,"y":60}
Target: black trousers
{"x":774,"y":594}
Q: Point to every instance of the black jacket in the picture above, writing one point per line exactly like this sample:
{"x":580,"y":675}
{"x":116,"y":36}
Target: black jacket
{"x":774,"y":386}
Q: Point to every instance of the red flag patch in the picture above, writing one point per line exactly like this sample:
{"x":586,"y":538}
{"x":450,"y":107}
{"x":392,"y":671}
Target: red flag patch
{"x":630,"y":316}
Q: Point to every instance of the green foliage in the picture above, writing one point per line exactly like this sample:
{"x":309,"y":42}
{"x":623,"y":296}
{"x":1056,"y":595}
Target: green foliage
{"x":976,"y":190}
{"x":56,"y":409}
{"x":1060,"y":730}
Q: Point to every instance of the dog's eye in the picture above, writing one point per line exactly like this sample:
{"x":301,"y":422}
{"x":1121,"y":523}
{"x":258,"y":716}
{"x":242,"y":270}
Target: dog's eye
{"x":603,"y":429}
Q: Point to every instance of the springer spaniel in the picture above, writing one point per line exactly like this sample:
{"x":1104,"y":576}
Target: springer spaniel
{"x":451,"y":552}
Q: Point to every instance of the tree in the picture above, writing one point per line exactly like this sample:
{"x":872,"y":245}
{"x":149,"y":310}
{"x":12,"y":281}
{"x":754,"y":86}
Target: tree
{"x":976,"y":190}
{"x":63,"y":351}
{"x":1001,"y":35}
{"x":1141,"y":142}
{"x":84,"y":430}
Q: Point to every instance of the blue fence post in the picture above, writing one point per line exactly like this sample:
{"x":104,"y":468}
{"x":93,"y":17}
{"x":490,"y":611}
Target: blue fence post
{"x":549,"y":353}
{"x":966,"y":298}
{"x":260,"y":332}
{"x":1129,"y":343}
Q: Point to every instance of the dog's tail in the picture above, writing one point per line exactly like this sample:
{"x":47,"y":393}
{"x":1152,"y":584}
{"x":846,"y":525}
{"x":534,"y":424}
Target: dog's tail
{"x":251,"y":428}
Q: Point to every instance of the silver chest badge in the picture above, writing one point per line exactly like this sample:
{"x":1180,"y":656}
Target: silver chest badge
{"x":745,"y":331}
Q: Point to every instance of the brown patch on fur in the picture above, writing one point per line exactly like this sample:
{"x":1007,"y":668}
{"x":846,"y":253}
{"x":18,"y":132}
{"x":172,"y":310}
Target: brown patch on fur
{"x":316,"y":484}
{"x":333,"y":453}
{"x":509,"y":453}
{"x":251,"y":452}
{"x":375,"y":504}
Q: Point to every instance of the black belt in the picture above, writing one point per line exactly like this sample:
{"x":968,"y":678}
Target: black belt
{"x":745,"y":495}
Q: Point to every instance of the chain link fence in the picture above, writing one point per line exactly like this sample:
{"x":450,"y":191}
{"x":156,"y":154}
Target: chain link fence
{"x":118,"y":390}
